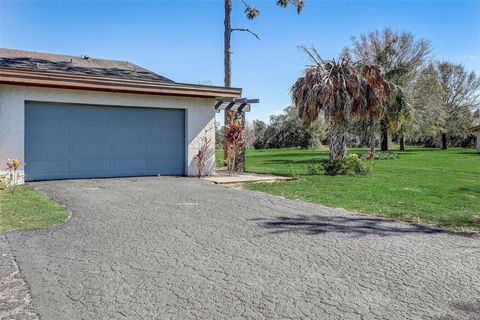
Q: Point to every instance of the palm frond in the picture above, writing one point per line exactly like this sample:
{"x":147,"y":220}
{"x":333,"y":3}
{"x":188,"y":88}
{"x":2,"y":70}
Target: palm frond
{"x":339,"y":89}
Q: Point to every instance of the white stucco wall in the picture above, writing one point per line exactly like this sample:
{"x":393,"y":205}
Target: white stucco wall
{"x":199,"y":112}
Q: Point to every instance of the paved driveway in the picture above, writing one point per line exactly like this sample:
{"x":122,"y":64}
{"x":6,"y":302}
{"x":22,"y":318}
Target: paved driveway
{"x":182,"y":248}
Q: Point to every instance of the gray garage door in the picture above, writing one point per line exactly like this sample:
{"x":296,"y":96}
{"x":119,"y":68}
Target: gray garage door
{"x":65,"y":141}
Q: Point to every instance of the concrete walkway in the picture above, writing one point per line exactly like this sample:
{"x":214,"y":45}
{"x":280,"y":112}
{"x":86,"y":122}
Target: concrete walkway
{"x":183,"y":248}
{"x":222,"y":177}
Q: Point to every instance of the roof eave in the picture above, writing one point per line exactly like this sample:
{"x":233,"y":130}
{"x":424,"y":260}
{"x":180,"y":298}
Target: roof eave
{"x":37,"y":78}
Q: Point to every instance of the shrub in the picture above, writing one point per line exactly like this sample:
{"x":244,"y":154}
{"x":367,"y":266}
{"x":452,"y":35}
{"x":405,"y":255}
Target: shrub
{"x":313,"y":169}
{"x":351,"y":165}
{"x":335,"y":167}
{"x":357,"y":165}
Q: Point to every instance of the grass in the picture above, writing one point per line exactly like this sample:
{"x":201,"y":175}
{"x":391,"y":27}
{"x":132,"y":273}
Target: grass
{"x":27,"y":209}
{"x":430,"y":186}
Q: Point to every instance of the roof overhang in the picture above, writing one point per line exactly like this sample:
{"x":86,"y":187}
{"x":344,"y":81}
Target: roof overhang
{"x":63,"y":80}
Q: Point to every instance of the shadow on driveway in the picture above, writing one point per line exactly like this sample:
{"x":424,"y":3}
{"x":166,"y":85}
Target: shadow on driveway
{"x":353,"y":225}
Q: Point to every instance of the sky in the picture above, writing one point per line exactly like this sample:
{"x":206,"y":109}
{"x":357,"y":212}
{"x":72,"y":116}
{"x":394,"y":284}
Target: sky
{"x":183,"y":40}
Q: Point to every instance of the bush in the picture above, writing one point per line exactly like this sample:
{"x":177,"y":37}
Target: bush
{"x":357,"y":165}
{"x":335,"y":167}
{"x":351,"y":165}
{"x":313,"y":169}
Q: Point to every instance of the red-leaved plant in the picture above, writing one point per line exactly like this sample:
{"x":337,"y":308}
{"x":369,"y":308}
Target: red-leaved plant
{"x":202,"y":153}
{"x":12,"y":174}
{"x":234,"y":137}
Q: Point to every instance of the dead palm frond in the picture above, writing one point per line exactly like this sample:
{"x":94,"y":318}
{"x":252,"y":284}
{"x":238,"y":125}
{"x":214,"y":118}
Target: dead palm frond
{"x":339,"y":89}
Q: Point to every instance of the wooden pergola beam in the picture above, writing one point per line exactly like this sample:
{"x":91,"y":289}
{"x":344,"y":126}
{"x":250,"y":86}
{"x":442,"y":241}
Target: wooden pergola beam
{"x":234,"y":104}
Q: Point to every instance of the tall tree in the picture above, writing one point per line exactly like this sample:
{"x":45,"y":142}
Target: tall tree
{"x":340,"y":89}
{"x":251,"y":13}
{"x":402,"y":57}
{"x":427,"y":96}
{"x":460,"y":98}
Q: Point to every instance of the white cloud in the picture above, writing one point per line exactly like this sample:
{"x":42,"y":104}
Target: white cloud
{"x":470,"y":56}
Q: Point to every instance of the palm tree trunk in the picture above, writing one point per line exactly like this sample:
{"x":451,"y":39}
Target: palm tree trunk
{"x":231,"y":116}
{"x":372,"y":134}
{"x":337,"y":139}
{"x":444,"y":141}
{"x":384,"y":130}
{"x":227,"y":62}
{"x":402,"y":142}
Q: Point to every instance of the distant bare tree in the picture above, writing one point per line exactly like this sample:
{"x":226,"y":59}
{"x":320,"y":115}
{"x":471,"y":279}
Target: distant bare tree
{"x":402,"y":57}
{"x":460,"y":98}
{"x":427,"y":96}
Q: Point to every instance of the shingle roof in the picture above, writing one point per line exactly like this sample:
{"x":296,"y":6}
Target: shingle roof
{"x":11,"y":58}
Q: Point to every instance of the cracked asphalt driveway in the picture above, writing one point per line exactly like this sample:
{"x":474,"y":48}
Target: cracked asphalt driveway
{"x":182,"y":248}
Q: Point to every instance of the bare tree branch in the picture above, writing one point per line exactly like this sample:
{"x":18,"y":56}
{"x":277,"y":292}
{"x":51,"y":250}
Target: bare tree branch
{"x":246,"y":30}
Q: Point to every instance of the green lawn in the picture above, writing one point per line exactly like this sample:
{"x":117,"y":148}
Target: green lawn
{"x":423,"y":185}
{"x":27,"y":209}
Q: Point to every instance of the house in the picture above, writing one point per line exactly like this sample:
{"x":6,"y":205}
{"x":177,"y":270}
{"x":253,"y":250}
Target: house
{"x":476,"y":130}
{"x":83,"y":117}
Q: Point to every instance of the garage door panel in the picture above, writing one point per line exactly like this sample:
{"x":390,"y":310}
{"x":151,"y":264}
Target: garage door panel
{"x":90,"y":114}
{"x":49,"y":129}
{"x":46,"y":111}
{"x":165,"y":133}
{"x":45,"y":151}
{"x":130,"y":131}
{"x":90,"y":148}
{"x":91,"y":166}
{"x":128,"y":116}
{"x":167,"y":117}
{"x":164,"y":162}
{"x":90,"y":130}
{"x":78,"y":141}
{"x":130,"y":148}
{"x":49,"y":166}
{"x":167,"y":148}
{"x":130,"y":165}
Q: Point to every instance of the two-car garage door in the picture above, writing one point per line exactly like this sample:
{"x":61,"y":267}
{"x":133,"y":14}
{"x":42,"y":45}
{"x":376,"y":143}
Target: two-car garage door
{"x":83,"y":141}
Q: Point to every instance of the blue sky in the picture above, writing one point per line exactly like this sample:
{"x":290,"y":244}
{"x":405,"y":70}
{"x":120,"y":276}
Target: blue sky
{"x":183,"y":40}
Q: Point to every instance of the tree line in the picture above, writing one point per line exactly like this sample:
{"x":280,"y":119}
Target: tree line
{"x":422,"y":102}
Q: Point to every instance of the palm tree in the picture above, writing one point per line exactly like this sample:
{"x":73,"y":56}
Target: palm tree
{"x":340,"y":89}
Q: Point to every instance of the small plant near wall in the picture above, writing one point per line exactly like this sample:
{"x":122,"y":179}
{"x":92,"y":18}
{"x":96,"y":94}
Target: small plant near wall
{"x":202,"y":154}
{"x":12,"y":177}
{"x":234,"y":137}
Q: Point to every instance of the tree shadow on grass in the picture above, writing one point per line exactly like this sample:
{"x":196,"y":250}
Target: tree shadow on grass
{"x":355,"y":226}
{"x":473,"y":153}
{"x":304,"y":161}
